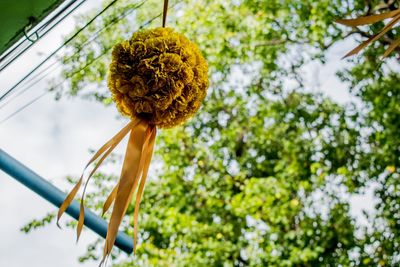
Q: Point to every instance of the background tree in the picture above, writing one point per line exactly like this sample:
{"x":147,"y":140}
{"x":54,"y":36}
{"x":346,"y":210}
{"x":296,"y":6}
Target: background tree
{"x":257,"y":177}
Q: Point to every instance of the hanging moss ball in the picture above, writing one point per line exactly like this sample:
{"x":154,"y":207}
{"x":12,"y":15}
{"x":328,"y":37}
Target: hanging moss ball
{"x":159,"y":76}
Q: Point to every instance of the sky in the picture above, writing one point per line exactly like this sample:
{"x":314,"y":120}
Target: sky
{"x":53,"y":137}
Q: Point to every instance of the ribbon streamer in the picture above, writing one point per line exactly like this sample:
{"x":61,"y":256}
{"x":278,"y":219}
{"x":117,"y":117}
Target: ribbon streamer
{"x":133,"y":177}
{"x":395,"y":15}
{"x":368,"y":19}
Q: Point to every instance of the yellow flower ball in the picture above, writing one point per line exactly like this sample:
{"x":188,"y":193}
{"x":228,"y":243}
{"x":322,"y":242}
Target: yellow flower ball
{"x":159,"y":76}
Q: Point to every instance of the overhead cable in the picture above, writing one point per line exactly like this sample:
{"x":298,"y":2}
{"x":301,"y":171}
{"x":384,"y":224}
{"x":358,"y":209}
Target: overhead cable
{"x":57,"y":50}
{"x":19,"y":48}
{"x":74,"y":73}
{"x":33,"y":81}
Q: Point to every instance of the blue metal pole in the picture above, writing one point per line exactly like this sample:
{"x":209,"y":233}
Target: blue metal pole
{"x":55,"y":196}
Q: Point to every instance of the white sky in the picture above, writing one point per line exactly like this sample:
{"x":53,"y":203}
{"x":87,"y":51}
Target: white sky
{"x":52,"y":138}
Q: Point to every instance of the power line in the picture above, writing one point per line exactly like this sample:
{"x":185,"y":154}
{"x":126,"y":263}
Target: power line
{"x":57,"y":50}
{"x":42,"y":27}
{"x":95,"y":35}
{"x":37,"y":33}
{"x":34,"y":31}
{"x":23,"y":107}
{"x":88,"y":41}
{"x":74,"y":73}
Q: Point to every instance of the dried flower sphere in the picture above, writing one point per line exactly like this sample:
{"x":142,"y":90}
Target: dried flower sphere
{"x":159,"y":76}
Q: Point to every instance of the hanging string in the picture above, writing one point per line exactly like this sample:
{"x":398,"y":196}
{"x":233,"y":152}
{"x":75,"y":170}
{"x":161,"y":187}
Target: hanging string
{"x":165,"y":13}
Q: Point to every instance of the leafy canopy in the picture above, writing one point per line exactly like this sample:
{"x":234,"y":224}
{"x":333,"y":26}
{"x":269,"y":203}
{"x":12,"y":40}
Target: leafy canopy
{"x":264,"y":174}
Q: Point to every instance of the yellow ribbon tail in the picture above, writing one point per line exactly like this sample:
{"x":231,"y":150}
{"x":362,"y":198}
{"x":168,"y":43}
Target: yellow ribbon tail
{"x":68,"y":200}
{"x":148,"y":153}
{"x":134,"y":170}
{"x":392,"y":47}
{"x":110,"y":199}
{"x":104,"y":151}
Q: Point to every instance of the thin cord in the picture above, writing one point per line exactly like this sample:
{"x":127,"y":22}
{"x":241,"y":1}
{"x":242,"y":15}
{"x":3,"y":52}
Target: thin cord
{"x":164,"y":20}
{"x":90,"y":40}
{"x":57,"y":50}
{"x":74,"y":73}
{"x":23,"y":107}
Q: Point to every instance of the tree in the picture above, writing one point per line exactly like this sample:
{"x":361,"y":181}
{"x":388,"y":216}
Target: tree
{"x":254,"y":178}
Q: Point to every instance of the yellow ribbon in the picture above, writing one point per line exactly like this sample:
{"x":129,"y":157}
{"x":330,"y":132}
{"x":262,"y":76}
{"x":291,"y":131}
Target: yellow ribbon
{"x":368,"y":19}
{"x":395,"y":15}
{"x":133,"y":176}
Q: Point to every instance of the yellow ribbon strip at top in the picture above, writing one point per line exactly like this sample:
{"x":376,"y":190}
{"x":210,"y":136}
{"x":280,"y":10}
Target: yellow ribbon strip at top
{"x":368,"y":19}
{"x":395,"y":15}
{"x":133,"y":176}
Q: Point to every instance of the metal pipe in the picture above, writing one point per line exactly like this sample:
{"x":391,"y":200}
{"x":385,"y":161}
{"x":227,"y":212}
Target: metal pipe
{"x":55,"y":196}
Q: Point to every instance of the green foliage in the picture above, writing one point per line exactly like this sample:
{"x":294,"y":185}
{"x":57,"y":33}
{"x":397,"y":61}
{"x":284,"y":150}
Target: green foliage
{"x":34,"y":224}
{"x":254,"y":178}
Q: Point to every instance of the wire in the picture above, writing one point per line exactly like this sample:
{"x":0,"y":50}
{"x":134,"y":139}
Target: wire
{"x":22,"y":50}
{"x":23,"y":107}
{"x":74,"y":73}
{"x":57,"y":50}
{"x":88,"y":41}
{"x":39,"y":28}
